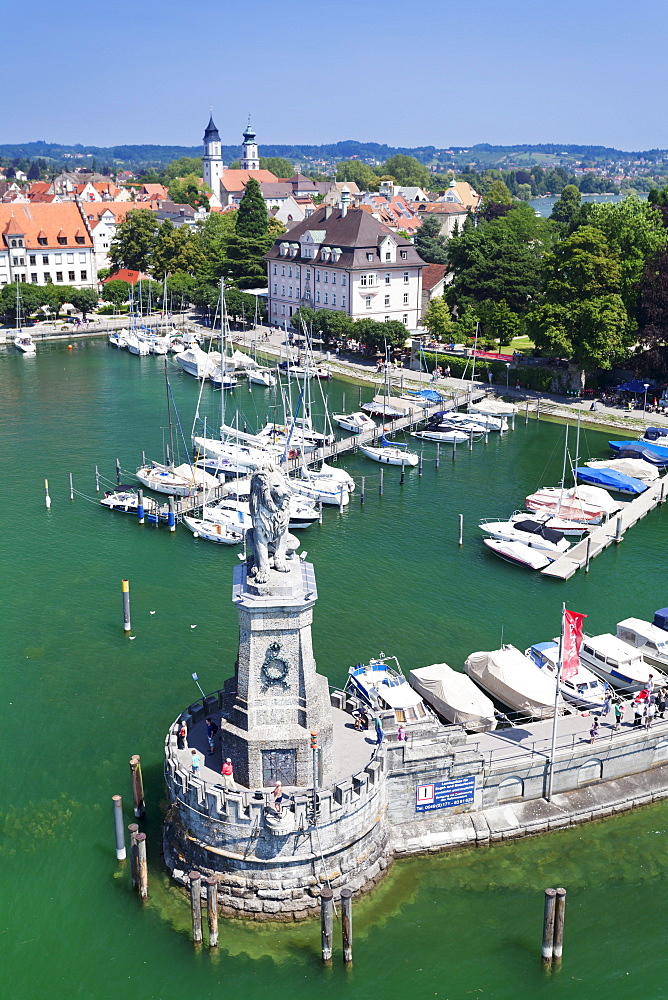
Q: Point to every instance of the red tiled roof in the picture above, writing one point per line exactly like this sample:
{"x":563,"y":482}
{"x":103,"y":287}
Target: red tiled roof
{"x":132,"y":277}
{"x":236,"y":180}
{"x":432,"y":274}
{"x":45,"y":222}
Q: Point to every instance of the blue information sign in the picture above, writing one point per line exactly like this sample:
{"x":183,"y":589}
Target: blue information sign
{"x":445,"y":794}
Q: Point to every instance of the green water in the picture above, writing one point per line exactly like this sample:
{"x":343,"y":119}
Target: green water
{"x":79,"y":699}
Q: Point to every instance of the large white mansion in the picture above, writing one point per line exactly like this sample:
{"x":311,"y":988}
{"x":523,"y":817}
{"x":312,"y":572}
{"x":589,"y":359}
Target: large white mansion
{"x":344,"y":259}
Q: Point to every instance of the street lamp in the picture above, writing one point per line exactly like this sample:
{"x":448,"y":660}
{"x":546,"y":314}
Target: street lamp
{"x":507,"y":372}
{"x":644,"y":406}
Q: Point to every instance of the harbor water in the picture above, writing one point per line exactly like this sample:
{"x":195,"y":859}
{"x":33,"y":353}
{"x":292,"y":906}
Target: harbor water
{"x":79,"y":698}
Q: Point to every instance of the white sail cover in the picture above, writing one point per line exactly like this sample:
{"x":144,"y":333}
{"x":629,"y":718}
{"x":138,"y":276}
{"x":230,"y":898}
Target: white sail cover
{"x":638,"y":468}
{"x":514,"y":679}
{"x":495,"y":408}
{"x":195,"y":475}
{"x":454,"y":696}
{"x":241,"y":360}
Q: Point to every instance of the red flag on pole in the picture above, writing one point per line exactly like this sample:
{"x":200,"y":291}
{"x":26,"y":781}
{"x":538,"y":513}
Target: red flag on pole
{"x":572,"y":640}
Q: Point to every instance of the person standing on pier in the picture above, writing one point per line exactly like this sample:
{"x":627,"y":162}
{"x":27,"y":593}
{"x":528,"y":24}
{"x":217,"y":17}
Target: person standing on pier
{"x":649,"y":714}
{"x":278,"y":797}
{"x":194,"y":762}
{"x":661,"y":702}
{"x":637,"y":714}
{"x":593,"y":732}
{"x":619,"y":714}
{"x":607,"y":701}
{"x":211,"y":730}
{"x":182,"y":736}
{"x":228,"y":774}
{"x":379,"y":730}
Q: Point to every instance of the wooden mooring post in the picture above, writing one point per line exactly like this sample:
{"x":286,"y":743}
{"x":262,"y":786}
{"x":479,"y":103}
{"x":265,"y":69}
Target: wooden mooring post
{"x":97,"y":479}
{"x":587,"y":554}
{"x":195,"y":880}
{"x":212,"y":910}
{"x":559,"y":916}
{"x":137,"y":786}
{"x":362,"y":491}
{"x":142,"y":867}
{"x":326,"y":923}
{"x":380,"y":485}
{"x":133,"y":830}
{"x":548,"y":926}
{"x":347,"y":925}
{"x":526,"y":413}
{"x":618,"y":531}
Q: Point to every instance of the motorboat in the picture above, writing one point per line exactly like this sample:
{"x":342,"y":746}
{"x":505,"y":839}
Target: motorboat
{"x":236,"y":452}
{"x":512,"y":679}
{"x":118,"y":339}
{"x":381,"y":686}
{"x":299,"y":371}
{"x":657,"y":435}
{"x":610,"y":479}
{"x":638,"y":468}
{"x":326,"y":491}
{"x":123,"y":499}
{"x":303,"y":513}
{"x":618,"y":663}
{"x":194,"y":361}
{"x":467,"y":421}
{"x":390,"y":453}
{"x":661,"y":619}
{"x":212,"y":531}
{"x":583,"y":689}
{"x":159,"y":345}
{"x":221,"y":379}
{"x":330,"y":476}
{"x":653,"y":453}
{"x":518,"y":553}
{"x":261,"y":377}
{"x":569,"y":528}
{"x":493,"y":407}
{"x":445,"y":435}
{"x":354,"y":422}
{"x":574,"y":504}
{"x":650,"y":640}
{"x":25,"y":344}
{"x":454,"y":697}
{"x":181,"y":481}
{"x":297,"y":432}
{"x":532,"y":533}
{"x":231,"y":517}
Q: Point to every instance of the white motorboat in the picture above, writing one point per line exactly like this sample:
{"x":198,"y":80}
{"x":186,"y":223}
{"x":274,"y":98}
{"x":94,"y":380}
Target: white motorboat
{"x":390,"y":453}
{"x":493,"y":408}
{"x":136,"y":344}
{"x":638,"y":468}
{"x":262,"y":377}
{"x":389,"y":407}
{"x":194,"y":361}
{"x":532,"y":533}
{"x":118,"y":339}
{"x":330,"y":476}
{"x":446,"y":436}
{"x":159,"y":345}
{"x":235,"y":453}
{"x":325,"y":491}
{"x":298,"y":433}
{"x":466,"y":421}
{"x":583,"y":689}
{"x":618,"y":663}
{"x":231,"y":517}
{"x":213,"y":531}
{"x":176,"y":345}
{"x":649,"y":640}
{"x":454,"y":697}
{"x":570,"y":528}
{"x":25,"y":344}
{"x":181,"y":481}
{"x":123,"y":499}
{"x":512,"y":678}
{"x":354,"y":422}
{"x":383,"y":687}
{"x":518,"y":553}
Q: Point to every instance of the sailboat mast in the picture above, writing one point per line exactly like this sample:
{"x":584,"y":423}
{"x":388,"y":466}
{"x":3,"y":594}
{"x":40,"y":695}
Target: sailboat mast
{"x":170,"y":461}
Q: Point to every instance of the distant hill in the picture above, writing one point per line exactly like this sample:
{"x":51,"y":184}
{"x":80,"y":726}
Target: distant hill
{"x":142,"y":157}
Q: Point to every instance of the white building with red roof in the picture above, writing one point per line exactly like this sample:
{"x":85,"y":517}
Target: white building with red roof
{"x":46,"y":243}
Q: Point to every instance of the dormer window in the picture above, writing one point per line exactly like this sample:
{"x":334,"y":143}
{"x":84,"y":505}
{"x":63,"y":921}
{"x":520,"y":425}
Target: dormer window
{"x":404,"y":254}
{"x":284,"y":248}
{"x":336,"y":253}
{"x":42,"y":240}
{"x":324,"y":253}
{"x":62,"y":240}
{"x":369,"y":256}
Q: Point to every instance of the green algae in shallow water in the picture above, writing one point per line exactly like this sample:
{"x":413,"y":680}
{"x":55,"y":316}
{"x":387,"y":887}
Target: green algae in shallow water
{"x":28,"y":827}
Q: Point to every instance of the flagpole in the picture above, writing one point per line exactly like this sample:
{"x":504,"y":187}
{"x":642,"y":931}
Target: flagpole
{"x":550,"y":772}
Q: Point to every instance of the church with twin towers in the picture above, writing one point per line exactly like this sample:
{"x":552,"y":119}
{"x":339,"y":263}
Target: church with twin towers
{"x":228,"y":185}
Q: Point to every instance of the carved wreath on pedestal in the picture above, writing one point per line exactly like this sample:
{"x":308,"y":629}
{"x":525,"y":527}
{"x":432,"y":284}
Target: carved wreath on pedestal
{"x":275,"y":669}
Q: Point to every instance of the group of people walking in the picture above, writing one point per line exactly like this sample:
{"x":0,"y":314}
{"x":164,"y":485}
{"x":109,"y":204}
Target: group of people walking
{"x":649,"y":704}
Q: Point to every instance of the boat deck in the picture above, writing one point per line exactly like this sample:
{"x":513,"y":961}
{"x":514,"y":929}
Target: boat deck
{"x":601,"y":536}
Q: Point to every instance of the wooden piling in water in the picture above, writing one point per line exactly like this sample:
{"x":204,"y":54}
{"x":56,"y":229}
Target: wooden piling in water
{"x":347,"y":925}
{"x":137,"y":785}
{"x":548,"y":926}
{"x":142,"y":867}
{"x":402,"y":477}
{"x":618,"y":530}
{"x":326,"y":924}
{"x":380,"y":486}
{"x":133,"y":830}
{"x":420,"y":463}
{"x":438,"y":454}
{"x":171,"y":517}
{"x":125,"y":589}
{"x":195,"y":879}
{"x":526,"y":413}
{"x":47,"y":498}
{"x":587,"y":554}
{"x":71,"y":488}
{"x":118,"y":472}
{"x":118,"y":827}
{"x":212,"y":910}
{"x":538,"y":409}
{"x":362,"y":492}
{"x":559,"y":915}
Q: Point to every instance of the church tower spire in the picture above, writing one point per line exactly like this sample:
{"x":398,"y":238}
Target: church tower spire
{"x":249,"y":157}
{"x":212,"y":161}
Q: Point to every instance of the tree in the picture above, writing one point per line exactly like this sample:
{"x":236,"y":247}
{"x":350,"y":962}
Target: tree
{"x":279,"y":166}
{"x":185,"y":166}
{"x":252,"y":214}
{"x":103,"y":273}
{"x":408,"y":171}
{"x":438,"y":319}
{"x":498,"y":193}
{"x":134,"y":241}
{"x":34,"y":172}
{"x":654,"y":300}
{"x":84,"y":299}
{"x":583,"y":316}
{"x":501,"y":323}
{"x":116,"y":292}
{"x":360,"y":173}
{"x":180,"y":288}
{"x":215,"y":233}
{"x":189,"y":191}
{"x":176,"y":249}
{"x":379,"y":336}
{"x":428,"y":241}
{"x":567,"y":205}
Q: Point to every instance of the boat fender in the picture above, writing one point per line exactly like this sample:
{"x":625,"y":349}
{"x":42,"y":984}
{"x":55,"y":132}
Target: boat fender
{"x":195,"y":534}
{"x":218,"y":528}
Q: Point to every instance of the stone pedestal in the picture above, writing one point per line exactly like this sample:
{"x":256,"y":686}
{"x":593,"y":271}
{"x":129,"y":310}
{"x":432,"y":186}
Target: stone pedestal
{"x":280,"y":698}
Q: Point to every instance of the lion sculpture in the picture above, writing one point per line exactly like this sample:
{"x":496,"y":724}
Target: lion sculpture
{"x":269,"y":539}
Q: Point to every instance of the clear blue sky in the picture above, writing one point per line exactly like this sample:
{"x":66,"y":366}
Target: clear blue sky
{"x":411,"y":73}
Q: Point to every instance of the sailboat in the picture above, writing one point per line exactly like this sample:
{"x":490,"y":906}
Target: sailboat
{"x":23,"y":342}
{"x":390,"y":453}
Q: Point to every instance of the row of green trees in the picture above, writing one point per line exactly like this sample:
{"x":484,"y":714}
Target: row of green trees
{"x":229,"y":245}
{"x":182,"y":291}
{"x":590,"y":284}
{"x":331,"y":326}
{"x":34,"y":297}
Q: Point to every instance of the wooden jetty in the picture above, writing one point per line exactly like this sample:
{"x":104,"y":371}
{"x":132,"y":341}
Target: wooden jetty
{"x":599,"y":537}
